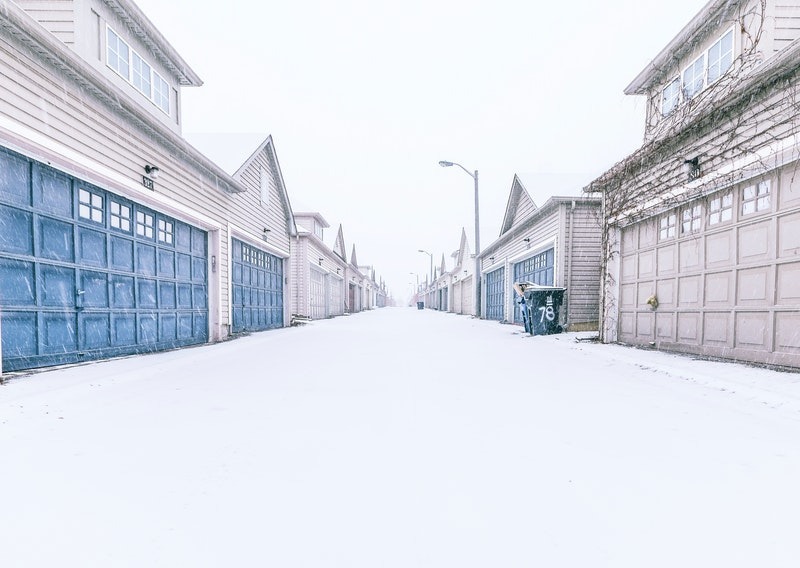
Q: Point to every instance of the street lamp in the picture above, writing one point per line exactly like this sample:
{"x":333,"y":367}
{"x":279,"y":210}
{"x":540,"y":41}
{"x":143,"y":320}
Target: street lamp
{"x":474,"y":176}
{"x":430,"y":255}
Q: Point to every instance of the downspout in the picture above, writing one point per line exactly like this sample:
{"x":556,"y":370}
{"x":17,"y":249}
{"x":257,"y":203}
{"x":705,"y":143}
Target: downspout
{"x":569,"y":263}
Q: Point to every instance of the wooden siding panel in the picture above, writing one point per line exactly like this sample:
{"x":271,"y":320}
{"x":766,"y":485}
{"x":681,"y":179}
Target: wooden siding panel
{"x":56,"y":16}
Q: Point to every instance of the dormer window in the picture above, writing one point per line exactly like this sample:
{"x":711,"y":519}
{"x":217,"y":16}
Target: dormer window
{"x":702,"y":72}
{"x":135,"y":70}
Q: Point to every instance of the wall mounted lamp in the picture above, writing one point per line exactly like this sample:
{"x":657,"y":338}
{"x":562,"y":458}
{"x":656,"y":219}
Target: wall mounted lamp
{"x":320,"y":260}
{"x":152,"y":171}
{"x":691,"y":167}
{"x":338,"y":270}
{"x":491,"y":259}
{"x":266,"y":233}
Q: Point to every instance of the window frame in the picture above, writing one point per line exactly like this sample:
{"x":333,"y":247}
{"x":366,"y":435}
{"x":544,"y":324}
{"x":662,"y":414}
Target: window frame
{"x":695,"y":220}
{"x":676,"y":98}
{"x":709,"y":80}
{"x":670,"y":229}
{"x":757,"y":199}
{"x":711,"y":213}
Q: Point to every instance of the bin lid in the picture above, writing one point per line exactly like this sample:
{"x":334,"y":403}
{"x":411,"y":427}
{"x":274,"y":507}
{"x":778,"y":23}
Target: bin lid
{"x":534,"y":287}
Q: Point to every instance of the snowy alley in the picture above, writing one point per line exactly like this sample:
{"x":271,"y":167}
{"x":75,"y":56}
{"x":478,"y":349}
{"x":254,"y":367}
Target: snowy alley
{"x":401,"y":438}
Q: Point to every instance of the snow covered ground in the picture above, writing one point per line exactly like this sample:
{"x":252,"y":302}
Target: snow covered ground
{"x":401,"y":438}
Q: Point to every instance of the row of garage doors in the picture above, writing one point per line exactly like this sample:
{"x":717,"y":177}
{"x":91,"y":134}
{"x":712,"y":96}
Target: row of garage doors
{"x":86,"y":274}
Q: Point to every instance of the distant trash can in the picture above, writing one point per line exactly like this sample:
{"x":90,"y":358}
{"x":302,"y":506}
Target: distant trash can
{"x":541,"y":307}
{"x":420,"y":305}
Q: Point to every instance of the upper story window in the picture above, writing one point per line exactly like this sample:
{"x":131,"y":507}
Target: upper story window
{"x":756,"y":198}
{"x":702,"y":72}
{"x":693,"y":79}
{"x":318,"y":229}
{"x":136,"y":70}
{"x":720,"y":57}
{"x":670,"y":97}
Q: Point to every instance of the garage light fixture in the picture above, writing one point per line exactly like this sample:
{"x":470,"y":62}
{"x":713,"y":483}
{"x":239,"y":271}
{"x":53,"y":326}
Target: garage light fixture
{"x":152,"y":171}
{"x":320,"y":260}
{"x":266,"y":233}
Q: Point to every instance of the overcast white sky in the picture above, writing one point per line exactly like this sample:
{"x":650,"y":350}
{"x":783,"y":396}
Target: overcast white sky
{"x":364,"y":98}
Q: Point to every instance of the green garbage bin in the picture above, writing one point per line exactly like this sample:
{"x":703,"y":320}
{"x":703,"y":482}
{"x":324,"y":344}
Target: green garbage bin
{"x":544,"y":304}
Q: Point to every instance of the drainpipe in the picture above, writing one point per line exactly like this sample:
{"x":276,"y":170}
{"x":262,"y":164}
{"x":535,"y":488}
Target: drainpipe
{"x":569,"y":260}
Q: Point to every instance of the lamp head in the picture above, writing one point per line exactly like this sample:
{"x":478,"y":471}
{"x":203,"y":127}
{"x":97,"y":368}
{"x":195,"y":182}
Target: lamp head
{"x":445,"y":163}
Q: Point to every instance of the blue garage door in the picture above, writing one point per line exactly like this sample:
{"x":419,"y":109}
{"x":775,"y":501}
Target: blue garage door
{"x":257,"y":288}
{"x":495,"y":294}
{"x":539,"y":269}
{"x":85,"y":274}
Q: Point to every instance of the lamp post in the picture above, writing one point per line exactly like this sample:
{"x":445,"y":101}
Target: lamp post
{"x":474,"y":176}
{"x":430,"y":255}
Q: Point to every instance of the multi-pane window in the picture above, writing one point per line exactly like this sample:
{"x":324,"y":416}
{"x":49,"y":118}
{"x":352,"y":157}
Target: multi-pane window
{"x":666,"y":226}
{"x":693,"y":79}
{"x":141,"y":74}
{"x":90,"y":206}
{"x":138,"y":72}
{"x":756,"y":198}
{"x":160,"y":92}
{"x":720,"y":209}
{"x":703,"y":71}
{"x":145,"y":224}
{"x":671,"y":97}
{"x":117,"y":54}
{"x":166,"y":231}
{"x":691,"y":219}
{"x":120,"y":216}
{"x":720,"y":57}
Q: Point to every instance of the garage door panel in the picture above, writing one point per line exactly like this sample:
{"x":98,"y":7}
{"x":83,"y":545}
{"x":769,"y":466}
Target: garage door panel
{"x":148,"y":328}
{"x":59,"y":333}
{"x":121,"y":254}
{"x":56,"y":240}
{"x":145,"y":259}
{"x":198,"y":269}
{"x":56,"y":286}
{"x":122,"y":292}
{"x":146,"y":296}
{"x":94,"y":290}
{"x":95,"y":330}
{"x":52,"y":192}
{"x":167,"y":296}
{"x":92,"y":247}
{"x":16,"y":283}
{"x":168,"y":327}
{"x":19,"y":334}
{"x":166,"y":263}
{"x":123,"y":329}
{"x":17,"y":234}
{"x":15,"y":183}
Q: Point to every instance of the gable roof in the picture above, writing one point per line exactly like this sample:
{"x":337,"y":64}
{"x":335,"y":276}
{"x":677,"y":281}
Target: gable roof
{"x":443,"y":268}
{"x":353,"y":260}
{"x":267,"y":148}
{"x":519,"y":201}
{"x":338,"y":244}
{"x":463,"y":248}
